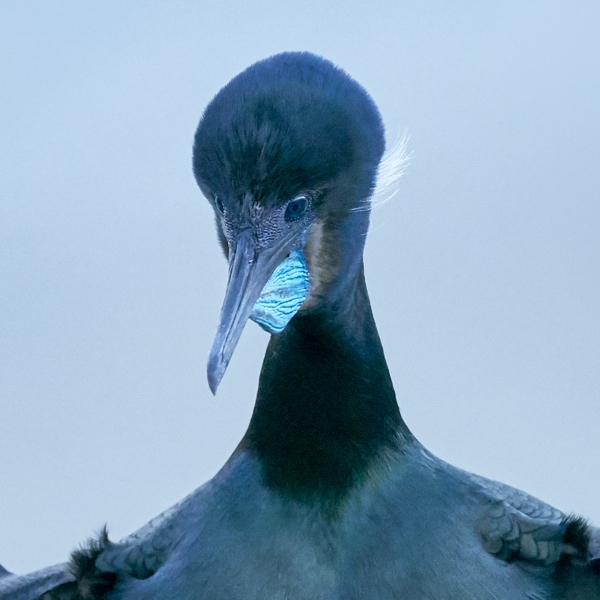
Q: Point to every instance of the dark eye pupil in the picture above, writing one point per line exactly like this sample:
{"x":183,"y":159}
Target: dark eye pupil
{"x":219,"y":205}
{"x":296,"y":208}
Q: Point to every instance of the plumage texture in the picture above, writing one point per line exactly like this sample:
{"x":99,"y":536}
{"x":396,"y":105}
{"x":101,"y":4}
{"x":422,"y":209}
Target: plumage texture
{"x":328,"y":496}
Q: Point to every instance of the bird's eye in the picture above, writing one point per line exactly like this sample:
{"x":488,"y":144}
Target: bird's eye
{"x":296,"y":208}
{"x":219,"y":205}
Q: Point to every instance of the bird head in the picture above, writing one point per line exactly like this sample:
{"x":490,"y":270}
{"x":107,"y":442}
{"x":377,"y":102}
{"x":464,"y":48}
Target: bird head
{"x":287,"y":154}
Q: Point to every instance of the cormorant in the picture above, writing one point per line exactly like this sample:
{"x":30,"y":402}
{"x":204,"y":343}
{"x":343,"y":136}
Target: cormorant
{"x":328,"y":496}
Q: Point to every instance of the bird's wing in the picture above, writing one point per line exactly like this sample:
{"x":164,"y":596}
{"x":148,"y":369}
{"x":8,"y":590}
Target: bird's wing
{"x":517,"y":526}
{"x":34,"y":585}
{"x":141,"y":554}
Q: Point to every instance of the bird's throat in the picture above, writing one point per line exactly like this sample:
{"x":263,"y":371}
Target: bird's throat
{"x":326,"y":408}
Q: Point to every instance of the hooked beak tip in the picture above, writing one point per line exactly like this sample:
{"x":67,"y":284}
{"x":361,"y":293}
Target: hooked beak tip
{"x":214,"y":373}
{"x":213,"y":384}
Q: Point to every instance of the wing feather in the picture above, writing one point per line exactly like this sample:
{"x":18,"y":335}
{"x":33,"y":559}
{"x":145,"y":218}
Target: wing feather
{"x":34,"y":585}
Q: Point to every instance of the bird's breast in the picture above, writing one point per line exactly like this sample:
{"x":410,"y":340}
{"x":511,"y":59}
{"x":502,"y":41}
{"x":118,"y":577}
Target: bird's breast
{"x":399,"y":536}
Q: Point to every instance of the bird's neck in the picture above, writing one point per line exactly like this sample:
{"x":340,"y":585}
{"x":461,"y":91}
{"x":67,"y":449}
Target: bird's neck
{"x":326,"y":408}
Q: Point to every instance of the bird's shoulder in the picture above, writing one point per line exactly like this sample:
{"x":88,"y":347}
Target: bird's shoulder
{"x":141,"y":554}
{"x":515,"y":526}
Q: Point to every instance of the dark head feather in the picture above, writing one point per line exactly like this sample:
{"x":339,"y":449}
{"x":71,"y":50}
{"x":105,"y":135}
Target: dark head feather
{"x":286,"y":124}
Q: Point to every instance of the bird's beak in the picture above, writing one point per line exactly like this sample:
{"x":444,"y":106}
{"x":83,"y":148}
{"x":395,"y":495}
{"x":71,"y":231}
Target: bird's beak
{"x":249,"y":271}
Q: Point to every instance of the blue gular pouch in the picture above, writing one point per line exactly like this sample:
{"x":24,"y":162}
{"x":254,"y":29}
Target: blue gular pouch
{"x":283,"y":294}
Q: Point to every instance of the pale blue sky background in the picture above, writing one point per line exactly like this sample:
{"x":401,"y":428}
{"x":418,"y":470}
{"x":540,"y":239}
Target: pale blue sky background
{"x":483,"y":272}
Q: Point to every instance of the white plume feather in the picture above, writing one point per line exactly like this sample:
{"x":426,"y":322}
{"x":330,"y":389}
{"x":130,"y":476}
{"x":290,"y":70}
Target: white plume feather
{"x":391,"y":168}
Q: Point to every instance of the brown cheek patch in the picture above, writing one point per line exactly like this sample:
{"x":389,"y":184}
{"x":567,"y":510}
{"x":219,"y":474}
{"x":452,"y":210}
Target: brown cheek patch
{"x":322,"y":262}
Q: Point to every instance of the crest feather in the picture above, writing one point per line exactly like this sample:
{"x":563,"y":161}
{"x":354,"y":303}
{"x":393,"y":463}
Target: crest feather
{"x":390,"y":171}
